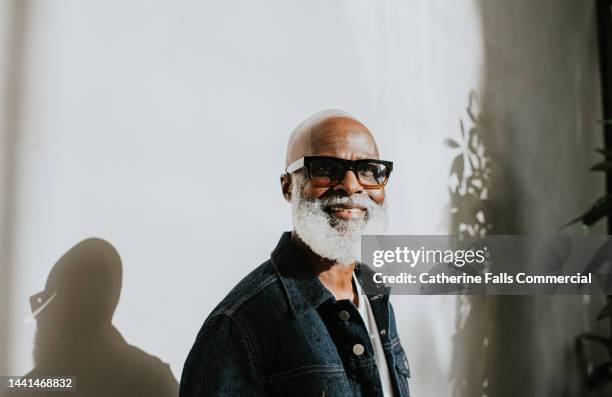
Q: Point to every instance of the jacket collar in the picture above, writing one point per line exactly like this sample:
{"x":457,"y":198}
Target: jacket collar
{"x":301,"y":284}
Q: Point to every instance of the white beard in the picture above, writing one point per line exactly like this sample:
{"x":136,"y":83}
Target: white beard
{"x":336,"y":240}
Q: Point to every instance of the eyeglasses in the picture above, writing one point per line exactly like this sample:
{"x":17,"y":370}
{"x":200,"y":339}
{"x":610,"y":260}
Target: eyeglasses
{"x":40,"y":300}
{"x":326,"y":171}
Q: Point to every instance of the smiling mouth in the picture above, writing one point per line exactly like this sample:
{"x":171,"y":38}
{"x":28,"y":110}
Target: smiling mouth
{"x":346,"y":211}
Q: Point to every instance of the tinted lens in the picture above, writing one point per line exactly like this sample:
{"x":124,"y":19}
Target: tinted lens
{"x":372,"y":174}
{"x":326,"y":171}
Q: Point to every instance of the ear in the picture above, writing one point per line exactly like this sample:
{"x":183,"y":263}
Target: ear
{"x":285,"y":181}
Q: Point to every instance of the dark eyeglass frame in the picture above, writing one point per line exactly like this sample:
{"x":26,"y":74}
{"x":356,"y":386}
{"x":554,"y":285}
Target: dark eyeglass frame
{"x":306,"y":161}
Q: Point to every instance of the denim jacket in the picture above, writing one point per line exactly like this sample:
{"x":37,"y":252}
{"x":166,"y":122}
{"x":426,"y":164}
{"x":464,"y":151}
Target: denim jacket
{"x":279,"y":333}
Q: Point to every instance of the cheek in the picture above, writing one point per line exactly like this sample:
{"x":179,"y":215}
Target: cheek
{"x":313,"y":192}
{"x":377,"y":195}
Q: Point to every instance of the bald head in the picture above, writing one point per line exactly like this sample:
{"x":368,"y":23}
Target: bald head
{"x":331,"y":133}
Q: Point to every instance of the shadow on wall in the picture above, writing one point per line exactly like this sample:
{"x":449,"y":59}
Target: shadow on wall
{"x":470,"y":185}
{"x":538,"y":125}
{"x":75,"y":336}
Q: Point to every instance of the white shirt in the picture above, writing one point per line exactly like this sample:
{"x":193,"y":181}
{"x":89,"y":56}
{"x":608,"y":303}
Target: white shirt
{"x":365,"y":310}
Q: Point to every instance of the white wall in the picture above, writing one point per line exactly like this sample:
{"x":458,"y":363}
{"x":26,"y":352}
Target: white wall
{"x":125,"y":105}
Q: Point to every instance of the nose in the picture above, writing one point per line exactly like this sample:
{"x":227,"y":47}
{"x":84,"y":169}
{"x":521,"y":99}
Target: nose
{"x":349,"y":184}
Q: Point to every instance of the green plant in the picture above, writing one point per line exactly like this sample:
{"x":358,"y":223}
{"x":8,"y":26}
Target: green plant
{"x":603,"y":206}
{"x":597,"y":375}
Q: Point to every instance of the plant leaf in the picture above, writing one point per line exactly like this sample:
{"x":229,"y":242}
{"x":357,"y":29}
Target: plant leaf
{"x":472,"y":97}
{"x":605,"y":152}
{"x":600,"y":209}
{"x":457,"y":168}
{"x":605,"y":311}
{"x":603,"y":166}
{"x":570,"y":223}
{"x":451,"y":143}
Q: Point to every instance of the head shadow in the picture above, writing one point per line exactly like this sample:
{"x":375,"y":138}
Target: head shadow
{"x":74,"y":331}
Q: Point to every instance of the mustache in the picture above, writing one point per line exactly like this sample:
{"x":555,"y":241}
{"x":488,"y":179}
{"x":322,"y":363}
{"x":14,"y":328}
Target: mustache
{"x":366,"y":202}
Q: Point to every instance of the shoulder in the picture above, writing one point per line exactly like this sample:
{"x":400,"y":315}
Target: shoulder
{"x":237,"y":325}
{"x":144,"y":372}
{"x":260,"y":293}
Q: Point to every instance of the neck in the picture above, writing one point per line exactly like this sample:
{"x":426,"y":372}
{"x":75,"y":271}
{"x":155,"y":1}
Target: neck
{"x":338,"y":279}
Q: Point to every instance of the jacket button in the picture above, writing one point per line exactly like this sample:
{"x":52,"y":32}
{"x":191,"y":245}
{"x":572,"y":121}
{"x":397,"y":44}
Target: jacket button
{"x":344,"y":315}
{"x":382,"y":331}
{"x":358,"y":349}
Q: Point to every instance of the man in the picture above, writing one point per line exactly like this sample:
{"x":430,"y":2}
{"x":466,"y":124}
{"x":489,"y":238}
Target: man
{"x":297,"y":325}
